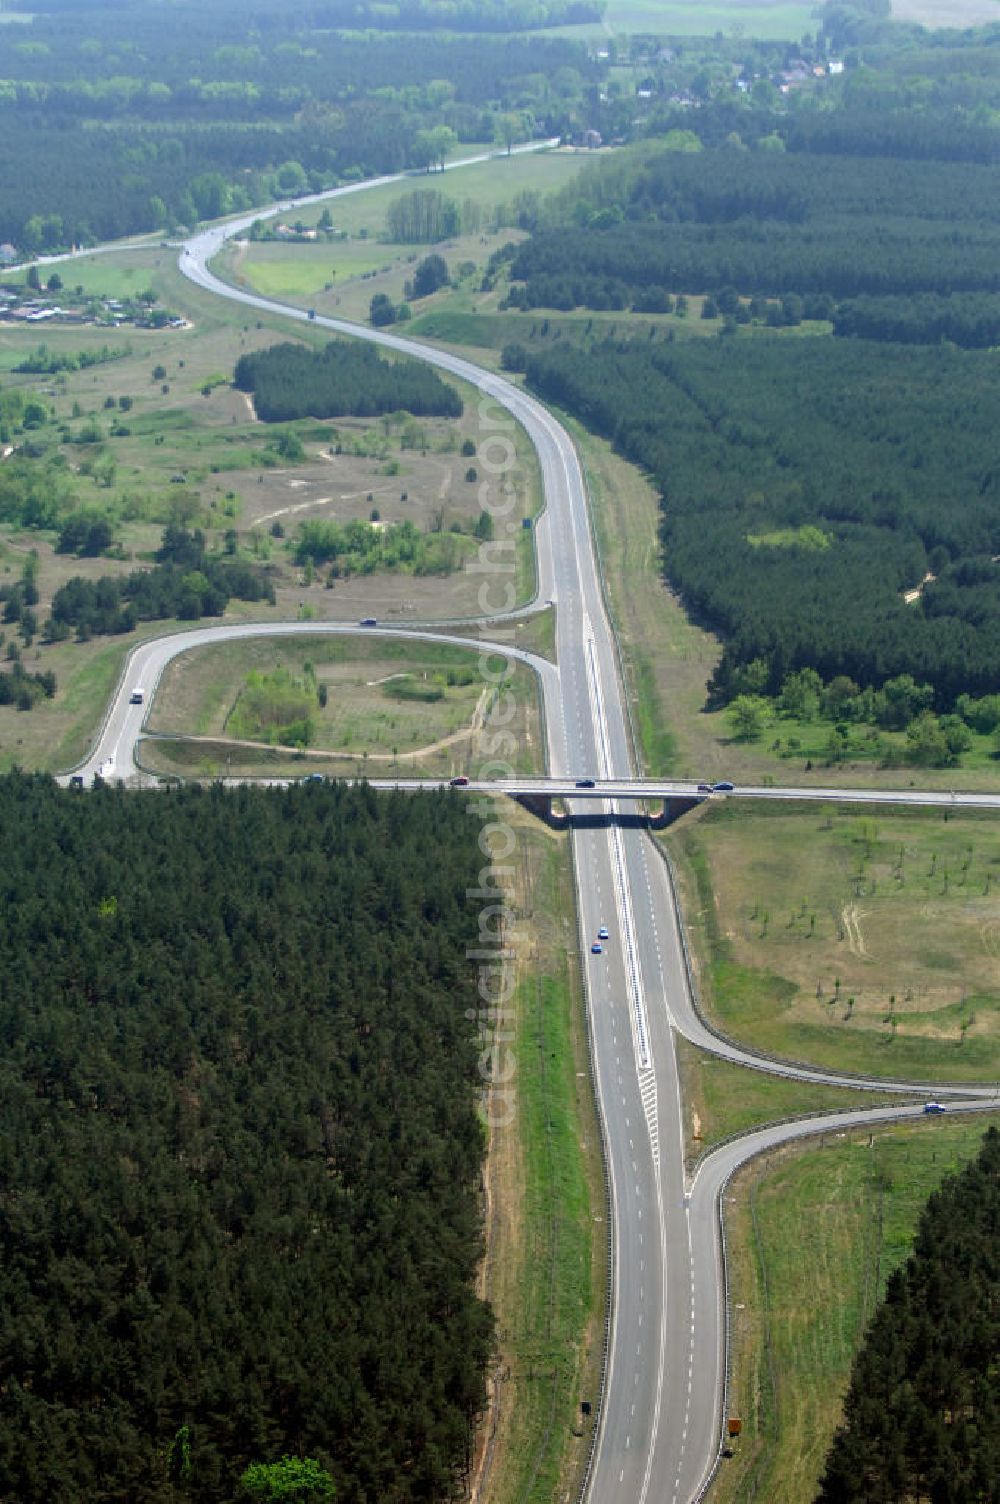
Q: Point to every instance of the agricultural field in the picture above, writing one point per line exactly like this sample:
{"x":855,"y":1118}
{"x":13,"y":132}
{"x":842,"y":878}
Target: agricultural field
{"x":358,"y":705}
{"x":866,"y":943}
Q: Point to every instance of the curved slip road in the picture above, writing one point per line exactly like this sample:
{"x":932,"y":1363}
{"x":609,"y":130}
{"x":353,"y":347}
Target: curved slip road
{"x":659,"y":1423}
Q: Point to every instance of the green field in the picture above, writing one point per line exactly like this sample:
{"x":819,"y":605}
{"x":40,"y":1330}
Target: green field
{"x":866,"y":943}
{"x":801,"y":1299}
{"x":299,"y":270}
{"x":754,"y":18}
{"x":487,"y":184}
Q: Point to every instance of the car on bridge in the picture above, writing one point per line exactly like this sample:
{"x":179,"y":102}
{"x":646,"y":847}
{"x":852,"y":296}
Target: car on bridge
{"x":460,"y":782}
{"x":723,"y":787}
{"x":585,"y":783}
{"x":368,"y":621}
{"x":602,"y":933}
{"x":704,"y":788}
{"x":933,"y":1107}
{"x":597,"y":948}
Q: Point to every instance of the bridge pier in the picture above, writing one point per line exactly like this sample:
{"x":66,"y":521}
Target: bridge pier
{"x":671,"y":811}
{"x":541,"y":805}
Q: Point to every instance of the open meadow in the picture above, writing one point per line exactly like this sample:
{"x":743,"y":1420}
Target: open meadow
{"x":863,"y":942}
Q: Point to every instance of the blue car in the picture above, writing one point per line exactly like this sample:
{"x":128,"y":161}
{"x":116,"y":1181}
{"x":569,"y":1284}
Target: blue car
{"x":933,"y":1107}
{"x":596,"y":949}
{"x":725,"y":787}
{"x":602,"y":933}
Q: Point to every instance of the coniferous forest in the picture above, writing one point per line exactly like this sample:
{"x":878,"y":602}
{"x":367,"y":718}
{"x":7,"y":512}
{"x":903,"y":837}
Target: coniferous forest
{"x":343,"y":379}
{"x":806,"y":486}
{"x":240,"y":1152}
{"x":922,"y":1414}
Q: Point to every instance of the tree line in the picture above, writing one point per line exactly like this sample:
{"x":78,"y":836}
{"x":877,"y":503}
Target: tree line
{"x":764,"y":223}
{"x":387,"y":15}
{"x":186,"y":582}
{"x":806,"y":485}
{"x":239,"y":1215}
{"x":922,"y":1412}
{"x":345,"y":378}
{"x":861,"y":720}
{"x":970,"y":320}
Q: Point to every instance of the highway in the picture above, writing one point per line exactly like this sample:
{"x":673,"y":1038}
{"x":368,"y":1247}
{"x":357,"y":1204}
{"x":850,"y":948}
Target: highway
{"x":659,"y":1423}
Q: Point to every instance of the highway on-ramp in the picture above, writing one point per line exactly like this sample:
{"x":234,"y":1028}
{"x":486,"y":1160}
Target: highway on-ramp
{"x":659,"y":1421}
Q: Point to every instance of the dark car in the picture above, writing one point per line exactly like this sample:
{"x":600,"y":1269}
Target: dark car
{"x":461,"y":782}
{"x":76,"y":782}
{"x":585,"y":783}
{"x":314,"y":778}
{"x":602,"y":933}
{"x":597,"y":949}
{"x":725,"y":787}
{"x":933,"y":1107}
{"x":369,"y":621}
{"x":704,"y":788}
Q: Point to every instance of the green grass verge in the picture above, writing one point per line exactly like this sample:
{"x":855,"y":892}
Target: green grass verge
{"x":658,"y":745}
{"x":548,"y":1273}
{"x":801,"y":1304}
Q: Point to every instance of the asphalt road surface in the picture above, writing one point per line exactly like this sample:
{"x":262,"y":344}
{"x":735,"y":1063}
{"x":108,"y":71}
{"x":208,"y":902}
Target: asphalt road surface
{"x":659,"y":1425}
